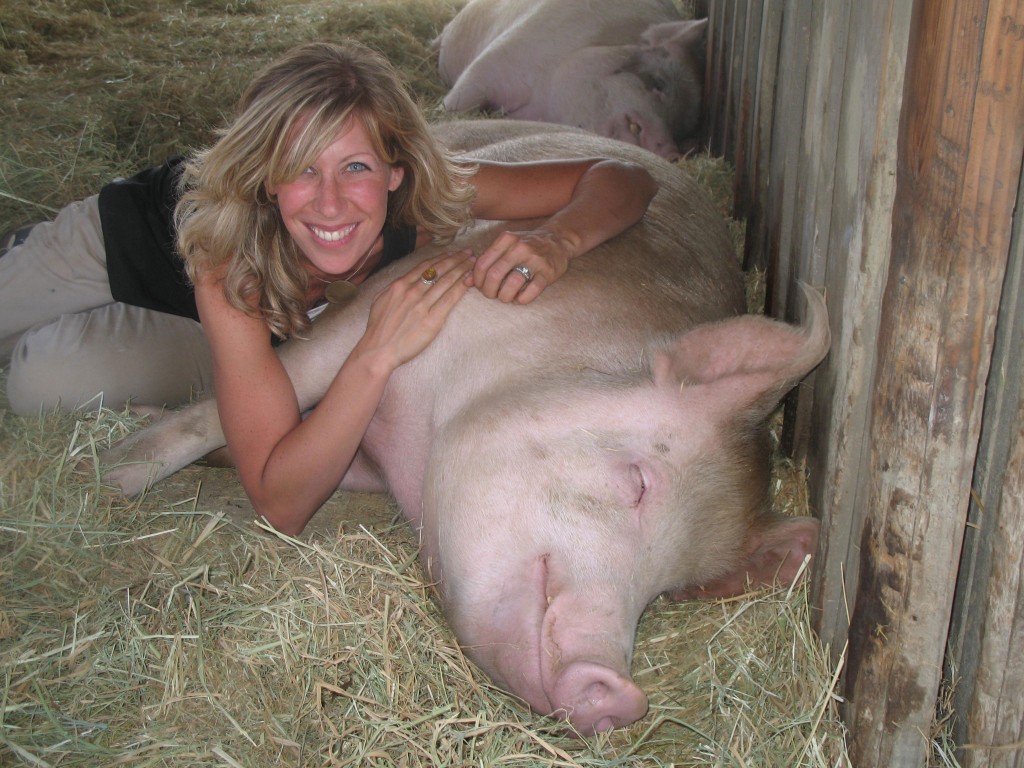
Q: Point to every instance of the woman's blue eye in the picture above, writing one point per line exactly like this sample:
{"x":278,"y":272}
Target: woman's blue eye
{"x":358,"y":166}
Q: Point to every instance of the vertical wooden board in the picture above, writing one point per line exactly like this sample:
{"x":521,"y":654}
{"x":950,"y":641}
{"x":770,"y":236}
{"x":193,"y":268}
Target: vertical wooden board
{"x":737,"y":128}
{"x":732,"y":15}
{"x":816,"y":160}
{"x":817,"y":170}
{"x":746,"y":109}
{"x":730,"y":12}
{"x":735,"y":85}
{"x":857,"y":248}
{"x":737,"y":17}
{"x":758,"y":230}
{"x":961,"y":141}
{"x":806,"y":123}
{"x":714,"y":84}
{"x":987,"y":639}
{"x":787,"y":134}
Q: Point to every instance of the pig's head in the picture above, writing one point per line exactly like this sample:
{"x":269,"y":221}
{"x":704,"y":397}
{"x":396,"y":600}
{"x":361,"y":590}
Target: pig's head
{"x":631,"y":111}
{"x":582,"y":499}
{"x":649,"y":94}
{"x":593,"y":90}
{"x":670,"y":64}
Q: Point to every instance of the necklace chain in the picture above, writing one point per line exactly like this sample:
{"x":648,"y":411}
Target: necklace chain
{"x":352,"y":272}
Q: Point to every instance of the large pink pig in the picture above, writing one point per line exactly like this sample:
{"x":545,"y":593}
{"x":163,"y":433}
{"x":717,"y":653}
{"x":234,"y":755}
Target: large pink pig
{"x":567,"y":461}
{"x":633,"y":71}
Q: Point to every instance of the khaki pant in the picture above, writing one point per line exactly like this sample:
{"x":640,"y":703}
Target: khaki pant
{"x":70,"y":344}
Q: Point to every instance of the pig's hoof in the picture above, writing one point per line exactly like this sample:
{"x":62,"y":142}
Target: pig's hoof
{"x":594,"y":698}
{"x":131,"y":479}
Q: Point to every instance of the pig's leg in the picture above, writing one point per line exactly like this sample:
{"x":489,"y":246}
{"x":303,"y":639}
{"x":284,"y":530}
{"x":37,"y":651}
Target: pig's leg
{"x":184,"y":436}
{"x":159,"y":450}
{"x":488,"y":85}
{"x":466,"y":96}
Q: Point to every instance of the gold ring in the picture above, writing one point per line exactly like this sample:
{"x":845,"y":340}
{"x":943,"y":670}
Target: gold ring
{"x":429,"y":276}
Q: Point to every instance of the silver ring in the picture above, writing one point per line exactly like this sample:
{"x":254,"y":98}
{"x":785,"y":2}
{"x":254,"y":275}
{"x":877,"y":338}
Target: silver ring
{"x":524,"y":270}
{"x":429,"y":276}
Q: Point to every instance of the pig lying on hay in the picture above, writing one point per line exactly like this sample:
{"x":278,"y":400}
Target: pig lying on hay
{"x":568,"y":461}
{"x":633,"y":71}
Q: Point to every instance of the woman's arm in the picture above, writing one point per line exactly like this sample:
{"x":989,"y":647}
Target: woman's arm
{"x":585,"y":201}
{"x":289,"y":465}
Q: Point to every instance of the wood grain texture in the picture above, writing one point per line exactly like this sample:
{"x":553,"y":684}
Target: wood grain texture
{"x":960,"y":130}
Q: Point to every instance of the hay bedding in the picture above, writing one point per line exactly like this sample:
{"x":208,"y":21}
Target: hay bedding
{"x":173,"y":630}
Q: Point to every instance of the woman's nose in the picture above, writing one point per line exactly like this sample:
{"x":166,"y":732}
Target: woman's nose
{"x":330,"y":197}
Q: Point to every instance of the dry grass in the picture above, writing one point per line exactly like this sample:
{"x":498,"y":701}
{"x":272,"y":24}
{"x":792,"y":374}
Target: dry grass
{"x":94,"y":89}
{"x":172,"y":630}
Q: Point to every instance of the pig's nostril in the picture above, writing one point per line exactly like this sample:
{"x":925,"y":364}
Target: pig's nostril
{"x":596,"y":698}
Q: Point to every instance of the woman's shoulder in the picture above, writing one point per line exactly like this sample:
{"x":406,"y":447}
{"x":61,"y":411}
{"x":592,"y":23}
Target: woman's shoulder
{"x":211,"y":276}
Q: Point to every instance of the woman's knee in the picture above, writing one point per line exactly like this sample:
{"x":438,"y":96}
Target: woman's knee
{"x":40,"y":379}
{"x":109,"y":357}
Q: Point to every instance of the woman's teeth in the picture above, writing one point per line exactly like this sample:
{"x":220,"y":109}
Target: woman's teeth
{"x":332,"y":236}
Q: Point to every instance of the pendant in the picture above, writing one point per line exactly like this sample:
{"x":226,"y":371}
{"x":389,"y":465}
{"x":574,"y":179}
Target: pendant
{"x":340,"y":292}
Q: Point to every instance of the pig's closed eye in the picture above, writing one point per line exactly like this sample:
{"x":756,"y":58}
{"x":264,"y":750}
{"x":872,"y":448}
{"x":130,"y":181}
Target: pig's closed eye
{"x":638,"y":482}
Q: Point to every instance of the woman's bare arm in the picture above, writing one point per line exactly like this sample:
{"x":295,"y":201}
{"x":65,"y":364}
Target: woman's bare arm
{"x":289,"y":465}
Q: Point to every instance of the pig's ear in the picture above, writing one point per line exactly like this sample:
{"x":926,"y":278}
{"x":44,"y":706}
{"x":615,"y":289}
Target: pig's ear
{"x":772,"y":554}
{"x":746,"y":363}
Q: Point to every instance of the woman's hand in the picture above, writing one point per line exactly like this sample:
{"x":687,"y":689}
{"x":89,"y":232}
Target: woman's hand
{"x":517,"y":266}
{"x":582,"y":203}
{"x":407,"y":315}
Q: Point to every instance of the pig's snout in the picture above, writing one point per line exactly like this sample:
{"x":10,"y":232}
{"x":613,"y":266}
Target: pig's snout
{"x":594,"y":698}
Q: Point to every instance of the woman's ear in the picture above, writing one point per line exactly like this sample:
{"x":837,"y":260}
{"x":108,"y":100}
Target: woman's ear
{"x":396,"y":178}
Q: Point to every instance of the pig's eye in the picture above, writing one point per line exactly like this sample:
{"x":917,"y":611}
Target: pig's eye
{"x":638,"y":483}
{"x":634,"y":127}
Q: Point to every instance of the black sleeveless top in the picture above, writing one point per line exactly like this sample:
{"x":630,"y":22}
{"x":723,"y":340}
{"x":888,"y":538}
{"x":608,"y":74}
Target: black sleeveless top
{"x":143,"y":265}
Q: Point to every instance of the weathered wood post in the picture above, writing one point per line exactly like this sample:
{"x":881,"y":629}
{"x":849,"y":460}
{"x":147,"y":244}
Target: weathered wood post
{"x":961,"y":141}
{"x":879,"y":146}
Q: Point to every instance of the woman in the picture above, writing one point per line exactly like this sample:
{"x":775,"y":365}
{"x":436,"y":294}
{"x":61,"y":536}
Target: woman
{"x":327,"y":173}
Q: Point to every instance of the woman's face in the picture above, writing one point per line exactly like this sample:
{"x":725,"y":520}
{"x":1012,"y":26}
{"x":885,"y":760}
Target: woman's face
{"x":336,"y":208}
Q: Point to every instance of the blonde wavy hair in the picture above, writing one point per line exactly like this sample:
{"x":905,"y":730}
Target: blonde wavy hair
{"x":290,"y":113}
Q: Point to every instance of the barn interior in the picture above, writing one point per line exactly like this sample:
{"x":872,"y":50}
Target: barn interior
{"x":870,"y":149}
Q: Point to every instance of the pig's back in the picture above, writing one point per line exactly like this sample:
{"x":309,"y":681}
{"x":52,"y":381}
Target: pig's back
{"x":539,"y":32}
{"x":672,"y":270}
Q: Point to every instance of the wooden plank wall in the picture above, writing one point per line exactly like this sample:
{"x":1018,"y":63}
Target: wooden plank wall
{"x":817,"y":192}
{"x":986,"y":651}
{"x":961,"y":141}
{"x":878,"y":149}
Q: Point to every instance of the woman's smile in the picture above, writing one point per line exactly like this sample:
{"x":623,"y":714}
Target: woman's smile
{"x":332,"y":236}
